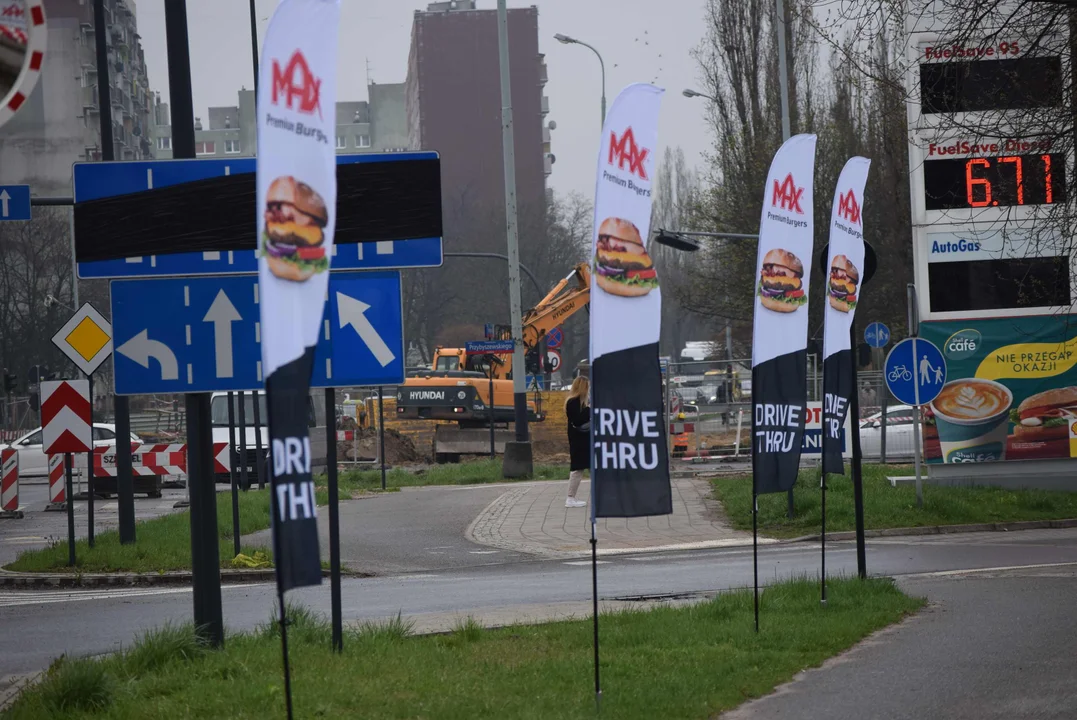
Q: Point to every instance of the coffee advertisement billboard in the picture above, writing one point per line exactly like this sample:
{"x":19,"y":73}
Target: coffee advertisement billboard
{"x":1011,"y":391}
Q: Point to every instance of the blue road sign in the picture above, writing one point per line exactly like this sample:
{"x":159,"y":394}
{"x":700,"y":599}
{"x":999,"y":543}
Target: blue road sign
{"x":93,"y":181}
{"x":492,"y":347}
{"x":536,"y":382}
{"x":915,"y":371}
{"x":555,"y":338}
{"x":877,"y":335}
{"x":14,"y":202}
{"x":184,"y":335}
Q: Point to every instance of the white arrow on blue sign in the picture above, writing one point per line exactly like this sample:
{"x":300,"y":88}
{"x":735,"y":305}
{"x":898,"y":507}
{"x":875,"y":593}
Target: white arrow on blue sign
{"x":14,"y":202}
{"x":915,"y":371}
{"x":184,"y":335}
{"x":877,"y":335}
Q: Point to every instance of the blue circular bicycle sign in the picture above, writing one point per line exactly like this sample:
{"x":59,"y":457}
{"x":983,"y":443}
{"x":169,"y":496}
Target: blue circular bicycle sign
{"x":915,"y":371}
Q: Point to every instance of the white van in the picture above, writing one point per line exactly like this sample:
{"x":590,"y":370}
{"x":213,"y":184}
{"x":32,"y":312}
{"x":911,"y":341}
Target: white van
{"x":219,"y":415}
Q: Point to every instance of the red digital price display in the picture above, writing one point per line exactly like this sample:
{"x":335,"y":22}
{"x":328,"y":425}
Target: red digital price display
{"x":1003,"y":181}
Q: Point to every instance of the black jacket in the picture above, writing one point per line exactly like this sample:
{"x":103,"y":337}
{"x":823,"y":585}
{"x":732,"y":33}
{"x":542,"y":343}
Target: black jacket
{"x":579,"y":438}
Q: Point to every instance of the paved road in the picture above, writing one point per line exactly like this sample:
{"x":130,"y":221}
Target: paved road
{"x":32,"y":632}
{"x":414,"y":530}
{"x":991,"y":646}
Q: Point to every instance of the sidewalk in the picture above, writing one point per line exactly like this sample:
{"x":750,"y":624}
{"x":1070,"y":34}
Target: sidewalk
{"x":533,"y":519}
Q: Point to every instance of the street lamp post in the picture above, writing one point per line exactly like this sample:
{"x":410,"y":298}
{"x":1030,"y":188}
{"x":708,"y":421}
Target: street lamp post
{"x":566,"y":40}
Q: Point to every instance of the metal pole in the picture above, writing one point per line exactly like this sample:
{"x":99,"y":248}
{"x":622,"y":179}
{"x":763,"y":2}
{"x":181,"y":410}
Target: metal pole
{"x":594,"y":600}
{"x":70,"y":511}
{"x":884,"y":393}
{"x":232,"y":457}
{"x":125,"y":484}
{"x":90,"y":473}
{"x":508,"y":148}
{"x":493,"y":447}
{"x":254,"y":43}
{"x":914,"y":331}
{"x":783,"y":69}
{"x":381,"y":436}
{"x":205,"y":551}
{"x":858,"y":479}
{"x":258,"y":440}
{"x":334,"y":516}
{"x":244,"y":478}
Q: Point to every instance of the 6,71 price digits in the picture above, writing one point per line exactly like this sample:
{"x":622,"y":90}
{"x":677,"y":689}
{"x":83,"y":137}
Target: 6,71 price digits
{"x":1009,"y":180}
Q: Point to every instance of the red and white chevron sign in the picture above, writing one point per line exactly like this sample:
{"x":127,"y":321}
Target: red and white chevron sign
{"x":9,"y":480}
{"x":66,"y":417}
{"x":222,"y":458}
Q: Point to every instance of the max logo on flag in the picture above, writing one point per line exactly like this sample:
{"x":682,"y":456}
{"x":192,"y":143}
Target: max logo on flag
{"x":787,"y":195}
{"x":625,"y":151}
{"x":848,"y":207}
{"x":297,"y":84}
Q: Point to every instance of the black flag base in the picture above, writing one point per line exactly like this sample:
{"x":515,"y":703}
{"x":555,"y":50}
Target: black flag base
{"x":630,"y":459}
{"x":295,"y":526}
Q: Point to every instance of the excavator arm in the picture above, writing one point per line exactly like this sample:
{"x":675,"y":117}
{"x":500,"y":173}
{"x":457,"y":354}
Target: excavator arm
{"x":569,"y":296}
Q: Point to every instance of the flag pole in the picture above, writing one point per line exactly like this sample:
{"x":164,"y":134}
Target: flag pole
{"x":755,"y":551}
{"x":284,"y":653}
{"x":594,"y":599}
{"x":822,"y":535}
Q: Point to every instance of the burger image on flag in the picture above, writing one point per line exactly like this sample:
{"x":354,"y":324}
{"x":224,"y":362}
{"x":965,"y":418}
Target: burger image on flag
{"x":296,"y":217}
{"x":842,"y":287}
{"x":622,"y":265}
{"x":780,"y":286}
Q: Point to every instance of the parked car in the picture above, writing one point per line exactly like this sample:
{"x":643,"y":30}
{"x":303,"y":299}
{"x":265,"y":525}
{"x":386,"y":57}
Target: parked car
{"x":32,"y":459}
{"x":899,"y":433}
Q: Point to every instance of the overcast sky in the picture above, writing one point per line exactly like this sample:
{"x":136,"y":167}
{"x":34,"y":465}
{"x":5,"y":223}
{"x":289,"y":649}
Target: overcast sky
{"x":640,"y":41}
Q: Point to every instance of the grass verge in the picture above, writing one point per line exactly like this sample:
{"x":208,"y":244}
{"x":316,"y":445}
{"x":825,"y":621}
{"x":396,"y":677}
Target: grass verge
{"x":670,"y":663}
{"x":477,"y":472}
{"x":885,"y":506}
{"x":164,"y":543}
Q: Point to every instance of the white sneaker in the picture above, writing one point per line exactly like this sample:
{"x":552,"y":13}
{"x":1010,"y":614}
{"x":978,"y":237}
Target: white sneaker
{"x":574,"y":503}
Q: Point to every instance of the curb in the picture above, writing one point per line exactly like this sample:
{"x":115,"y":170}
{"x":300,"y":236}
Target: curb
{"x":944,"y":530}
{"x":28,"y":581}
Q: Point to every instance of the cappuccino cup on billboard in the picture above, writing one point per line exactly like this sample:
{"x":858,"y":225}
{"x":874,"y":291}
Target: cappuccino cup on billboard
{"x":973,"y":419}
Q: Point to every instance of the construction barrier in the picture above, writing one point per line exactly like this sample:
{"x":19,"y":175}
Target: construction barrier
{"x":9,"y":484}
{"x":151,"y":460}
{"x":57,"y":492}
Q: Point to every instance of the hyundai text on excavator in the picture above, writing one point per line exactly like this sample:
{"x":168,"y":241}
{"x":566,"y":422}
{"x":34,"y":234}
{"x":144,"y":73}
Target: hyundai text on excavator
{"x":458,"y":385}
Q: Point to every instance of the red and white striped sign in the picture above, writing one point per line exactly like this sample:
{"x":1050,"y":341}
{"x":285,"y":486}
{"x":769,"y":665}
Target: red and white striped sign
{"x":146,"y":460}
{"x":57,"y":495}
{"x":149,"y":460}
{"x":66,"y":417}
{"x":343,"y":435}
{"x":9,"y":480}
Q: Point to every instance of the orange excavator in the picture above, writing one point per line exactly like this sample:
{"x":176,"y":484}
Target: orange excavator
{"x":458,"y":386}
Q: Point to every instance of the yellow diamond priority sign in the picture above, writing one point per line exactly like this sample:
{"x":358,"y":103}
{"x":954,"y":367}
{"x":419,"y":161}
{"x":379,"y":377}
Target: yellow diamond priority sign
{"x":86,"y":339}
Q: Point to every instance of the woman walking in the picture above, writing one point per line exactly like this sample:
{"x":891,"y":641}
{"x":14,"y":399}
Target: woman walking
{"x":578,"y":412}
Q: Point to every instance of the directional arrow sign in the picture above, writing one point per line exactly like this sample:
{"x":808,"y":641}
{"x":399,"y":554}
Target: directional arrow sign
{"x":204,"y":334}
{"x":353,"y":312}
{"x":222,"y":313}
{"x":14,"y":202}
{"x":140,"y":349}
